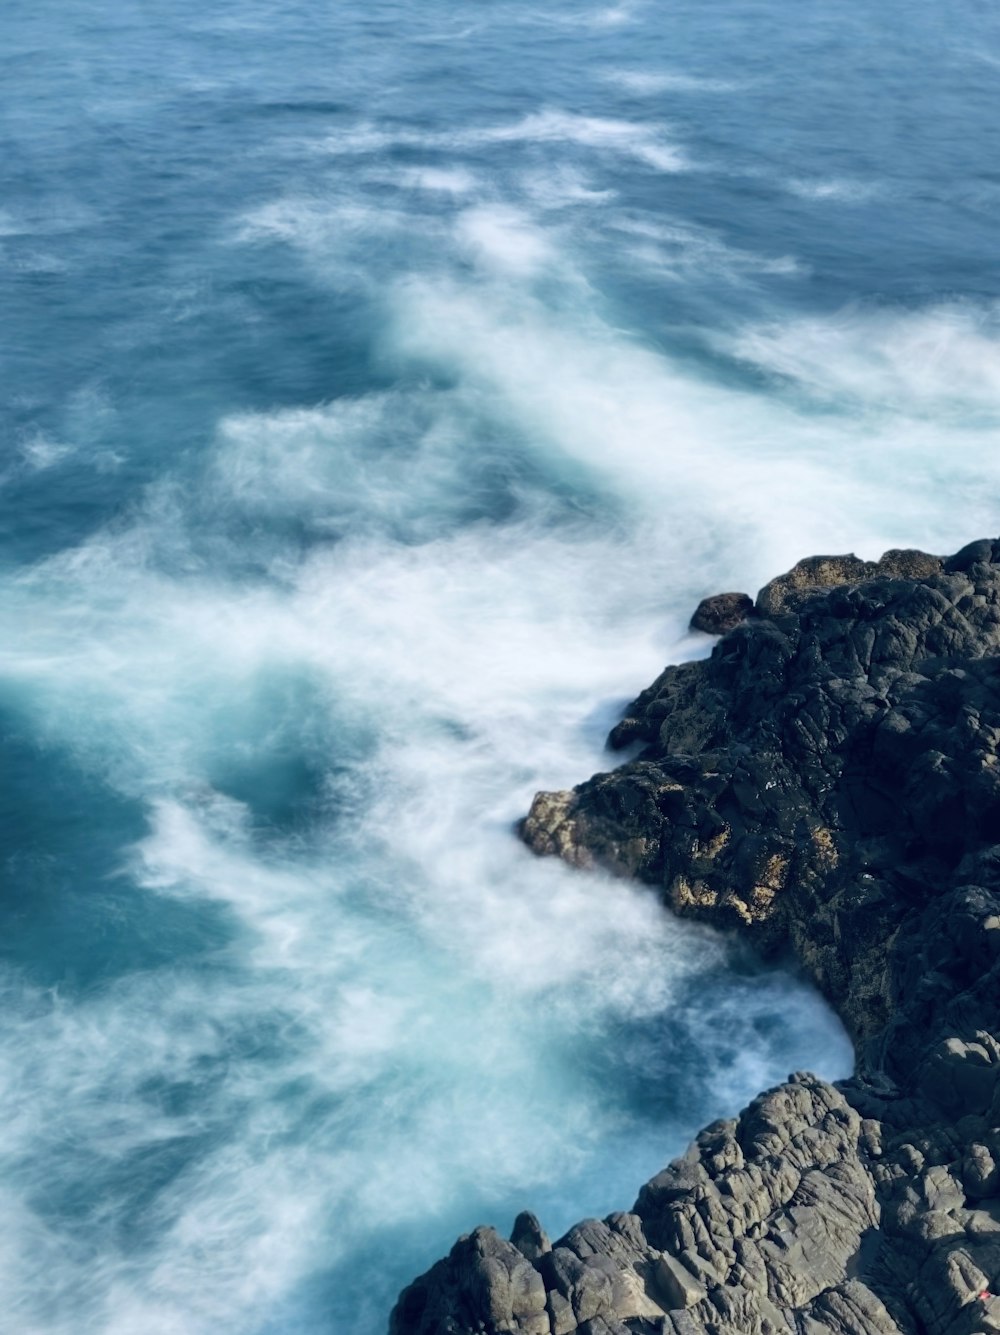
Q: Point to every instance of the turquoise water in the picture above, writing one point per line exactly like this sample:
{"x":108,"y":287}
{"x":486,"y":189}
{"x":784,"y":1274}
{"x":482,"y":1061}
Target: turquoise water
{"x":382,"y":386}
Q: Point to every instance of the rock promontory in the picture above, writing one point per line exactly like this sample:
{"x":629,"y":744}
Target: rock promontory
{"x":827,"y":781}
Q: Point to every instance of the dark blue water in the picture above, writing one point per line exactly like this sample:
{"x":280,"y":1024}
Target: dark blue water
{"x":382,"y":385}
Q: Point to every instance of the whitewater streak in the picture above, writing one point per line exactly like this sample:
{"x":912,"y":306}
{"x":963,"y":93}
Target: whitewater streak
{"x":388,"y":1018}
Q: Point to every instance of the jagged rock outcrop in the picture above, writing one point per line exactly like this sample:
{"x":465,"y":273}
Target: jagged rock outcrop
{"x":721,"y":612}
{"x":829,"y":780}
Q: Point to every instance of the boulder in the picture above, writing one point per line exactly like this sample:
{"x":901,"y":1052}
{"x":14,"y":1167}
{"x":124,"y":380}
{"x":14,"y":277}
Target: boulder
{"x":721,"y":612}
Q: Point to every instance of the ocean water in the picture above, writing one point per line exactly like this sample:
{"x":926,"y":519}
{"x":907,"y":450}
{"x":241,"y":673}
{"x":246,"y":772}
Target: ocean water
{"x":383,"y":384}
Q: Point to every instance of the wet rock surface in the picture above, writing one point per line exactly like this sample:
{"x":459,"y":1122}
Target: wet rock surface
{"x":829,"y":780}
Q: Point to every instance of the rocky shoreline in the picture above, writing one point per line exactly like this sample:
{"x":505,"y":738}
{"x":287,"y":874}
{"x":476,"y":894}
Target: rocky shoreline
{"x":829,"y":780}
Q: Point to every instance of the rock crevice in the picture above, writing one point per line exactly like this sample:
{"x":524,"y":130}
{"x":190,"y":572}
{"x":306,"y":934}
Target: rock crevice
{"x":827,"y":780}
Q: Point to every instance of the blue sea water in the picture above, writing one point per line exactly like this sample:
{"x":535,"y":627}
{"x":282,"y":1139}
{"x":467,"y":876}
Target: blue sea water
{"x":383,"y":384}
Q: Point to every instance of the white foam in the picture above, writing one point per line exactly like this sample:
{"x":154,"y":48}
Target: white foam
{"x":563,"y":187}
{"x":606,"y":17}
{"x":613,"y":16}
{"x":315,"y":223}
{"x":504,"y":239}
{"x":336,"y":233}
{"x":677,"y":250}
{"x":944,"y":359}
{"x":454,"y":35}
{"x":647,"y":83}
{"x":837,"y":188}
{"x":445,"y":180}
{"x":35,"y":261}
{"x":41,"y":452}
{"x":641,"y":142}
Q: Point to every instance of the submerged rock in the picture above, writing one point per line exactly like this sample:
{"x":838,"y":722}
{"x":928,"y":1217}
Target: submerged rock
{"x":828,"y":779}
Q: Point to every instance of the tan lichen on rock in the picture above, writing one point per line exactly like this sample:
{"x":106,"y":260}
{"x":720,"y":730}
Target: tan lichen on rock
{"x":741,"y":908}
{"x":762,"y":901}
{"x":688,"y":895}
{"x":550,"y":827}
{"x":825,"y":847}
{"x":775,"y":873}
{"x":817,"y":573}
{"x":711,"y":848}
